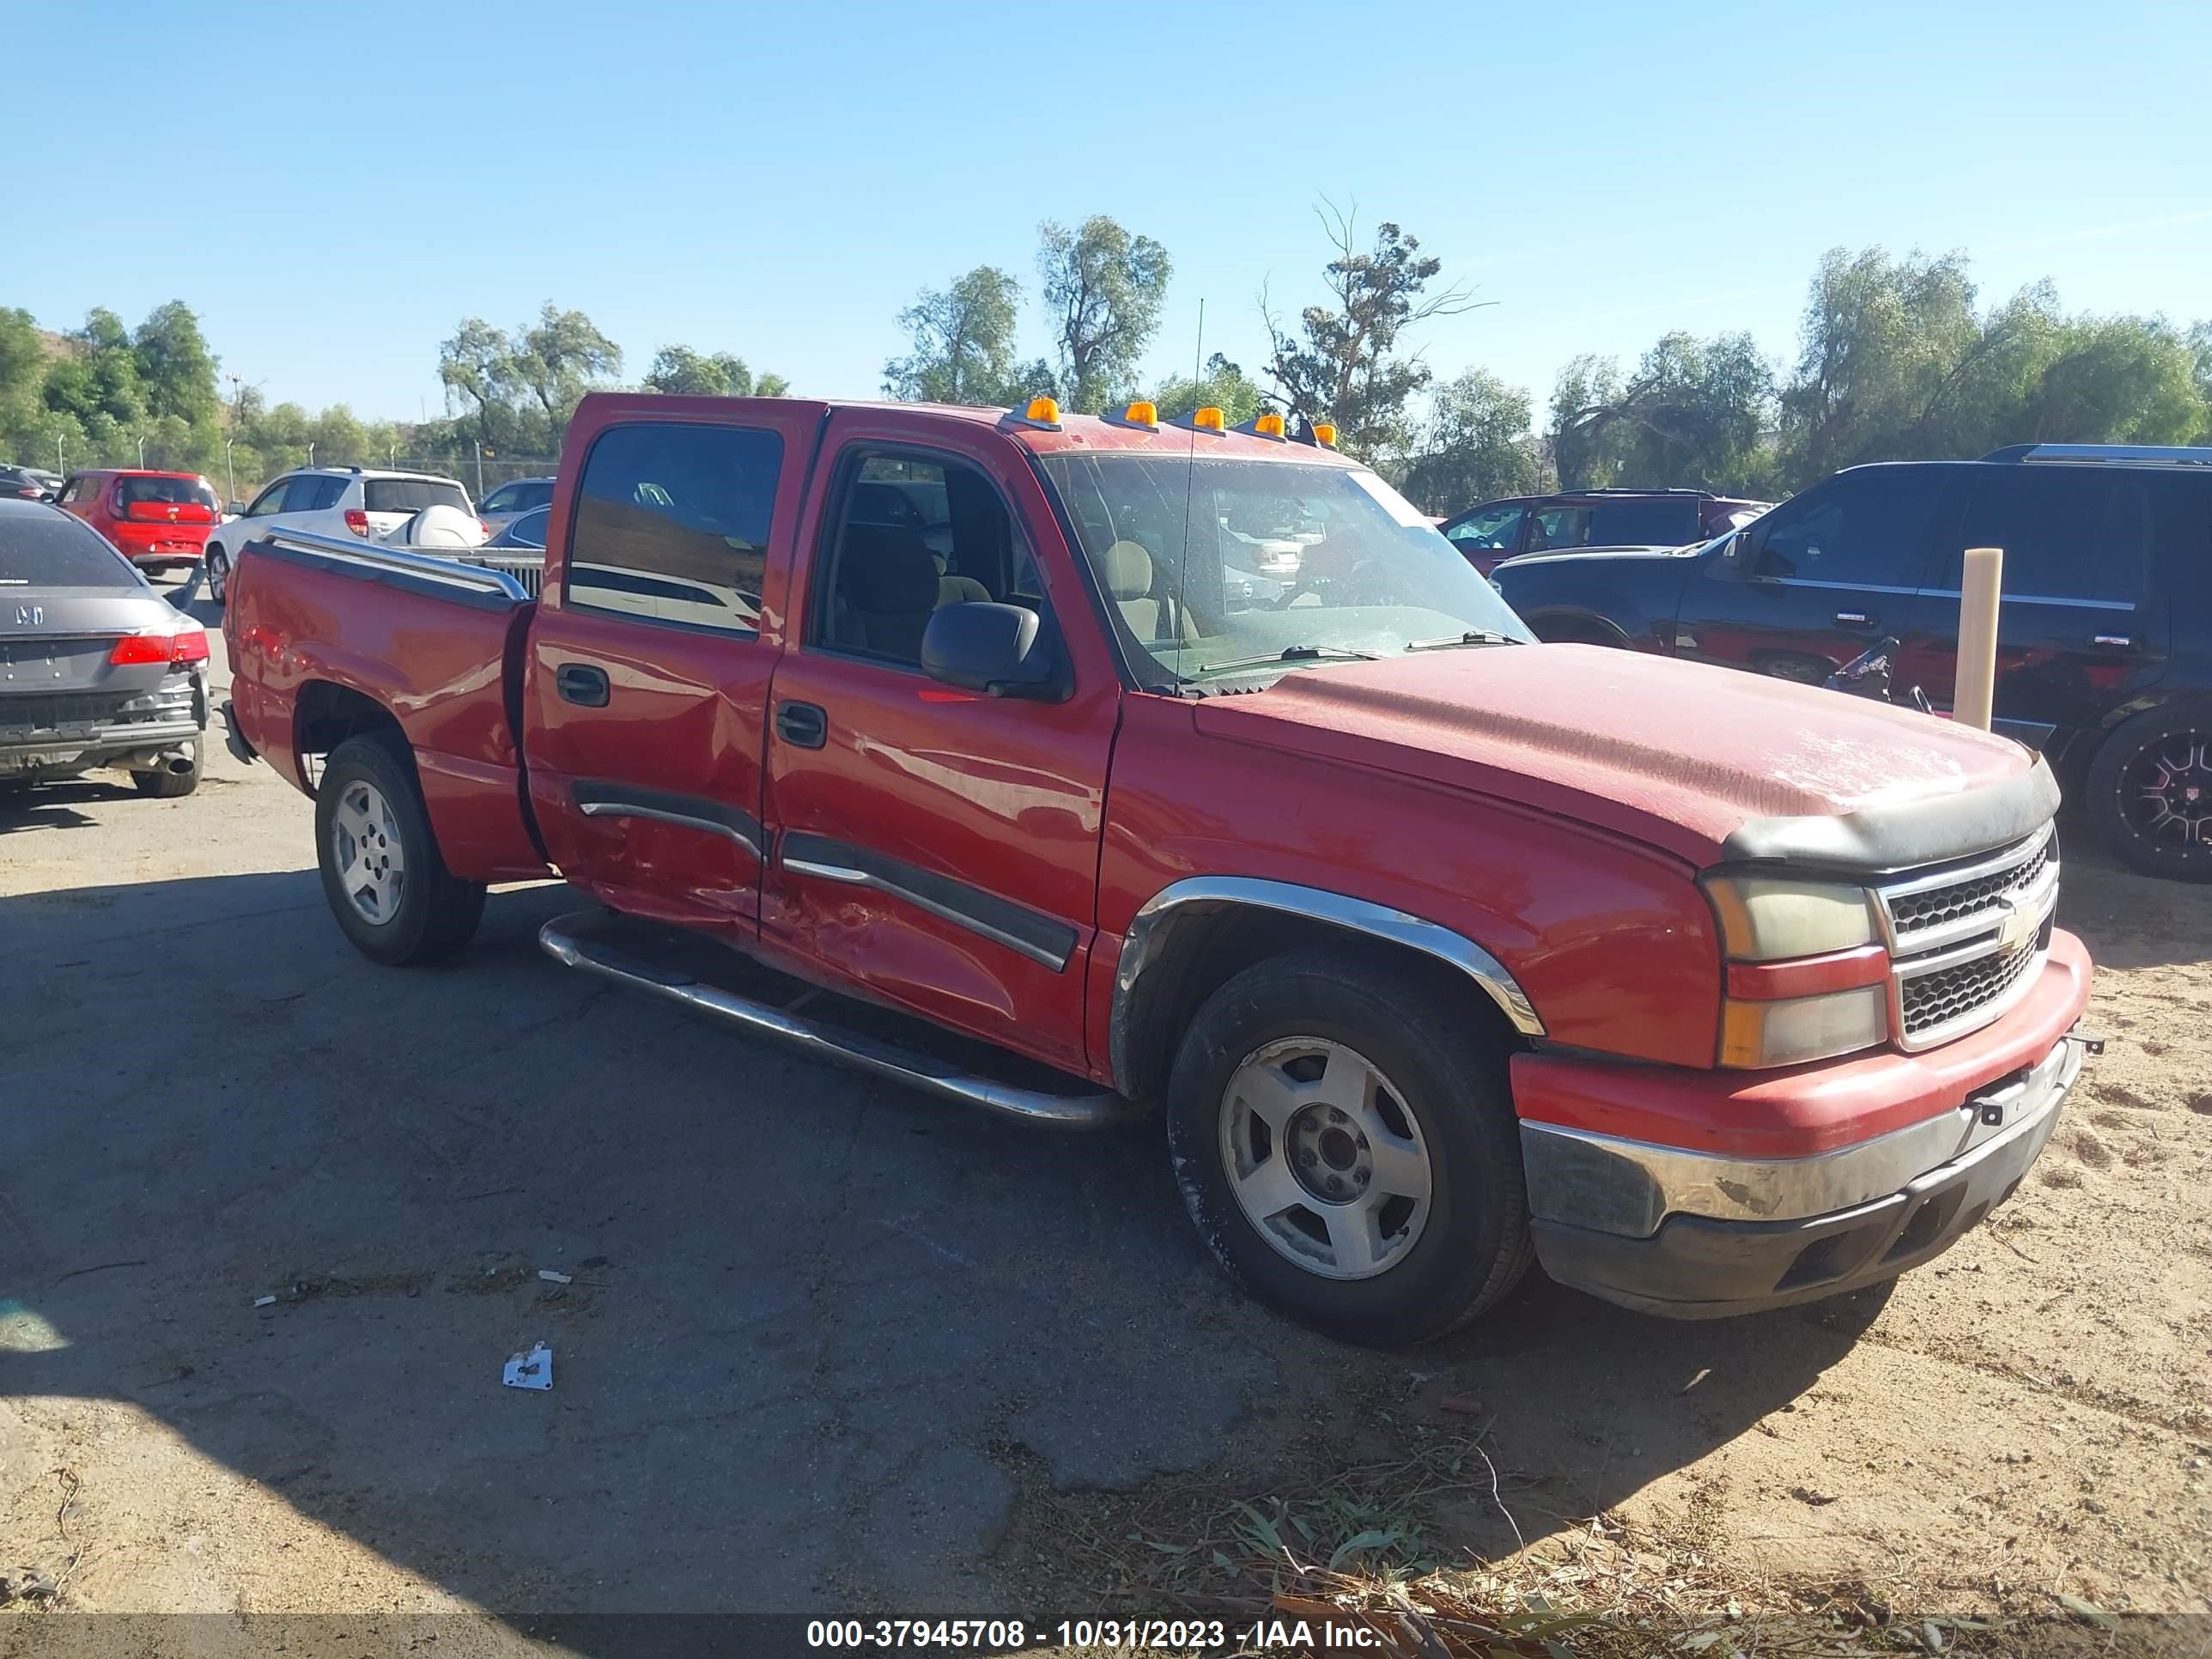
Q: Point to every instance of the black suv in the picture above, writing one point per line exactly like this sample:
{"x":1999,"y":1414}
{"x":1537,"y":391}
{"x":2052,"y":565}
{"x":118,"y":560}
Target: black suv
{"x":2104,"y":634}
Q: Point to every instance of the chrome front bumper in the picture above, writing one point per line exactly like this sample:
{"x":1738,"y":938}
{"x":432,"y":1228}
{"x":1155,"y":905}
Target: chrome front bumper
{"x":1737,"y":1236}
{"x":1630,"y":1187}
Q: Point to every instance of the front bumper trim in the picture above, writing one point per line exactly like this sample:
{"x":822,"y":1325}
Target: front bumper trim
{"x":1699,"y":1266}
{"x":1629,"y":1187}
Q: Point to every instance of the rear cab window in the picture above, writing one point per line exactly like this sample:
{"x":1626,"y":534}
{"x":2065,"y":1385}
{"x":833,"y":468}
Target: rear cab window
{"x":175,"y":492}
{"x":671,"y":524}
{"x":405,"y":495}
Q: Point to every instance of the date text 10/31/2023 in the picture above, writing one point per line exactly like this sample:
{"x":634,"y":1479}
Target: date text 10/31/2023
{"x":1177,"y":1636}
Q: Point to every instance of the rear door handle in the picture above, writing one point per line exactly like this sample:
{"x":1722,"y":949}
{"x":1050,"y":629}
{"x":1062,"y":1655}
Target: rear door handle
{"x":1853,"y":619}
{"x":802,"y":725}
{"x":2120,"y":639}
{"x":581,"y":683}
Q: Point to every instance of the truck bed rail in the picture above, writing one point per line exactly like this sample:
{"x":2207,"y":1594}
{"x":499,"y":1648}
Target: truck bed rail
{"x":470,"y":580}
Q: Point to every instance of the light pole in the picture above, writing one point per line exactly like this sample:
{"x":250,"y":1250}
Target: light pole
{"x":59,"y":467}
{"x":142,"y":454}
{"x":311,"y":454}
{"x":230,"y":465}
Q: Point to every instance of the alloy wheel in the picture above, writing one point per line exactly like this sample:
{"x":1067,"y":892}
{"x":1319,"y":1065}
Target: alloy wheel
{"x":1326,"y":1159}
{"x":2166,"y":791}
{"x":367,"y":854}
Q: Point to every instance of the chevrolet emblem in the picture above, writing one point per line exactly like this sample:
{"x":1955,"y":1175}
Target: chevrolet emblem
{"x":2019,"y":927}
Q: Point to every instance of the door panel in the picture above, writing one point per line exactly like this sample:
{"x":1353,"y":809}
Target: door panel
{"x":647,"y":681}
{"x":942,"y":848}
{"x":2077,"y":629}
{"x":1820,"y":579}
{"x":937,"y":847}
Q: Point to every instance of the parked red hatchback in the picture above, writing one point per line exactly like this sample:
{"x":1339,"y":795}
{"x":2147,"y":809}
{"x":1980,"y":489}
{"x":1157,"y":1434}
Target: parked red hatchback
{"x":157,"y":520}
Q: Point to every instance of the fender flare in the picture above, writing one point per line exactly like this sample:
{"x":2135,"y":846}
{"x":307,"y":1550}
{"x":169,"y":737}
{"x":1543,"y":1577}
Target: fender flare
{"x":1152,"y":930}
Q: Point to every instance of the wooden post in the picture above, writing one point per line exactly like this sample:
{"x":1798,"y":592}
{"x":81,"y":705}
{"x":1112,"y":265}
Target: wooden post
{"x":1975,"y":686}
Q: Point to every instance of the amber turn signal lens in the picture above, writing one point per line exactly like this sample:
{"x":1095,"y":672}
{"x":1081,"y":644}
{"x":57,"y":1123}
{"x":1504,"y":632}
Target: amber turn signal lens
{"x":1269,"y":426}
{"x":1209,"y":417}
{"x":1142,"y":414}
{"x":1044,"y":409}
{"x":1325,"y":434}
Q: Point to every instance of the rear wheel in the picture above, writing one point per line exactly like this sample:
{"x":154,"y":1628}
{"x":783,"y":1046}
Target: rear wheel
{"x":167,"y":785}
{"x":1345,"y":1137}
{"x":2150,"y":792}
{"x":218,"y":576}
{"x":382,"y":874}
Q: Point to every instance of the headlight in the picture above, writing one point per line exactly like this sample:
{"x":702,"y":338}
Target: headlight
{"x":1785,"y":1033}
{"x":1772,"y":918}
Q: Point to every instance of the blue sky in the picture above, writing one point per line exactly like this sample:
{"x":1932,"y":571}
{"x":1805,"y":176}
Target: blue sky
{"x":779,"y":181}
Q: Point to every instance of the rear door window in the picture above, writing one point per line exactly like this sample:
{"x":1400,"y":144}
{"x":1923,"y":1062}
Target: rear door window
{"x":1560,"y":527}
{"x":39,"y":549}
{"x":671,"y":524}
{"x":2056,"y":525}
{"x":408,"y":495}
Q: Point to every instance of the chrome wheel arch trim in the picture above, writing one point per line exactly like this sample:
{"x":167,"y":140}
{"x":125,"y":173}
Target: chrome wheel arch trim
{"x":1144,"y":944}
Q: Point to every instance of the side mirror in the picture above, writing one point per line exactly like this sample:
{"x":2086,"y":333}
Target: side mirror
{"x":235,"y":509}
{"x":992,"y":648}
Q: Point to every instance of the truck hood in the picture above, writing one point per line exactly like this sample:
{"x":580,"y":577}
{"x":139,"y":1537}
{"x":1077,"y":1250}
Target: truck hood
{"x":1712,"y":764}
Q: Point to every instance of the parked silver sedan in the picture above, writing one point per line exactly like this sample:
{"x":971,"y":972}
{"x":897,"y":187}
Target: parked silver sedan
{"x":96,"y":669}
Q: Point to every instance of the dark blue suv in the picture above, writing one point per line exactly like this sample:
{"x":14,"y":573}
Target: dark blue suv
{"x":2105,"y":635}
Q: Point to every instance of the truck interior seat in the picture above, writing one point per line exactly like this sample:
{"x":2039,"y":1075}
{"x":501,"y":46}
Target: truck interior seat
{"x":1129,"y":579}
{"x":887,"y":586}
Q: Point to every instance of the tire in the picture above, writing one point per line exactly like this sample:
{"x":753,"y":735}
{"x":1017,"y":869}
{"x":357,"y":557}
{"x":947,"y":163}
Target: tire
{"x":168,"y":786}
{"x":382,"y":874}
{"x":218,"y":576}
{"x":1420,"y":1073}
{"x":2150,"y":791}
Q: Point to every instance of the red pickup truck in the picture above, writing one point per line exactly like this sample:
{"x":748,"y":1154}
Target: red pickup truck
{"x":954,"y":744}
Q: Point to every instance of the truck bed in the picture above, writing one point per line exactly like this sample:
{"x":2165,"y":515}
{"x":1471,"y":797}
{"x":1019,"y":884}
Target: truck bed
{"x":327,"y":637}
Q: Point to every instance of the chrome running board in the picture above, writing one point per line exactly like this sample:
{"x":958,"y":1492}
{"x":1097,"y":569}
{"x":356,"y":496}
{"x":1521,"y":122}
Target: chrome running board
{"x":570,"y":940}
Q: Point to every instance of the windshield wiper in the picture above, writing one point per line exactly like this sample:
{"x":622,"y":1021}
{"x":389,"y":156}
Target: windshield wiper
{"x":1290,"y":654}
{"x":1452,"y":641}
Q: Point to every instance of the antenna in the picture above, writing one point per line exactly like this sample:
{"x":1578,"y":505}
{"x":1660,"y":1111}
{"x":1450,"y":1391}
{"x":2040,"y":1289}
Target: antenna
{"x":1189,"y":482}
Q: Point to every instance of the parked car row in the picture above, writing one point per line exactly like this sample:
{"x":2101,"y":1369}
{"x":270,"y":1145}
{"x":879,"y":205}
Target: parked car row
{"x":1494,"y":531}
{"x":1440,"y":951}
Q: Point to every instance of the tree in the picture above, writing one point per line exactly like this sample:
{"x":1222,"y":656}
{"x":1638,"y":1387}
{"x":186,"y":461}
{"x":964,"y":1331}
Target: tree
{"x":473,"y":365}
{"x":1103,"y":289}
{"x":1692,"y":414}
{"x":174,"y":364}
{"x":1226,"y":387}
{"x":1477,"y":445}
{"x":1887,"y":343}
{"x":679,"y":370}
{"x":1342,"y":363}
{"x":559,"y":358}
{"x":2115,"y":380}
{"x":963,"y":344}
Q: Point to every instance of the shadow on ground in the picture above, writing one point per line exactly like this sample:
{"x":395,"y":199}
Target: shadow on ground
{"x":820,"y":1331}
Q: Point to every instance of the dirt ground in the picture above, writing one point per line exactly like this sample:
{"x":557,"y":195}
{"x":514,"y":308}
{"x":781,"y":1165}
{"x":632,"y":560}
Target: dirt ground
{"x":830,"y":1349}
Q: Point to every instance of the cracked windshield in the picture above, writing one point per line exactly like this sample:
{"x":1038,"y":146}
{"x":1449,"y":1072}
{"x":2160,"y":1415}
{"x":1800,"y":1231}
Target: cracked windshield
{"x":1219,"y":568}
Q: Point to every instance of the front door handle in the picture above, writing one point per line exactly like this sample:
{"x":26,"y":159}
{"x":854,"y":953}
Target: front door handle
{"x":802,"y":725}
{"x":1853,"y":619}
{"x":581,"y":683}
{"x":2121,"y":641}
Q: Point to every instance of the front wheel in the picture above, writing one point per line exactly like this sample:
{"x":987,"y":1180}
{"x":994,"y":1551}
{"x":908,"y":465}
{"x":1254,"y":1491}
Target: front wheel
{"x":218,"y":576}
{"x":1344,"y":1134}
{"x":2150,"y":792}
{"x":382,"y":874}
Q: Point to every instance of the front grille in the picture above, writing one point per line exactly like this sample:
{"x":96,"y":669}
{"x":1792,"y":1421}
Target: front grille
{"x":1929,"y":1002}
{"x":1964,"y":941}
{"x":1914,"y":912}
{"x":528,"y":571}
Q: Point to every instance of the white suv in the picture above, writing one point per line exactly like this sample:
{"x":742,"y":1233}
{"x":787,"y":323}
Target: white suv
{"x":329,"y":500}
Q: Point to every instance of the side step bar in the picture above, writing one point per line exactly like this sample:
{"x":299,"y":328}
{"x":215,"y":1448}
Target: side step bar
{"x":569,"y":941}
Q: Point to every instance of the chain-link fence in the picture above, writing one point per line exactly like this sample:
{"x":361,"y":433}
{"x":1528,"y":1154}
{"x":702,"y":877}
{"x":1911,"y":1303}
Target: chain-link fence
{"x":480,"y":475}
